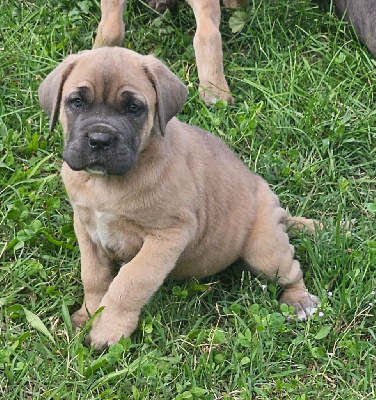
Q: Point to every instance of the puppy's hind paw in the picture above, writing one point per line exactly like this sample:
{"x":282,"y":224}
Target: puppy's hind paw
{"x":304,"y":303}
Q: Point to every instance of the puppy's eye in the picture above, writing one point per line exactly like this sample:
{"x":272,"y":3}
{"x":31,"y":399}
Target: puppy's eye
{"x":76,"y":102}
{"x":134,"y":108}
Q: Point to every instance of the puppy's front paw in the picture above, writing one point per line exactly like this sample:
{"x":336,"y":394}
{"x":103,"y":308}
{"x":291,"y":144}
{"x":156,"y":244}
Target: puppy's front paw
{"x":109,"y":327}
{"x":304,"y":303}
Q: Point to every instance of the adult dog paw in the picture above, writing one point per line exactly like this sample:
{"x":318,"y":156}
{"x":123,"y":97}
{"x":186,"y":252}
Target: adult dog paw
{"x":212,"y":95}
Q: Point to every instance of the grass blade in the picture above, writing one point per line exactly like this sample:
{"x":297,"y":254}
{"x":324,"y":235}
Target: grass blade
{"x":37,"y":324}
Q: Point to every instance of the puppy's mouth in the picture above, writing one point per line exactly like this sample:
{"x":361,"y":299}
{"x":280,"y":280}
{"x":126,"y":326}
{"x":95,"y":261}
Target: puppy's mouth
{"x":117,"y":162}
{"x":96,"y":169}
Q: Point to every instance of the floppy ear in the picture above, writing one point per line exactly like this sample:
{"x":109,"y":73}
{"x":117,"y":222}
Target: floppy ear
{"x":171,"y":91}
{"x":51,"y":89}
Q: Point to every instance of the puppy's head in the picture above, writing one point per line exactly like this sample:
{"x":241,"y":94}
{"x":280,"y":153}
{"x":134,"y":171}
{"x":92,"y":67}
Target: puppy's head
{"x":110,"y":101}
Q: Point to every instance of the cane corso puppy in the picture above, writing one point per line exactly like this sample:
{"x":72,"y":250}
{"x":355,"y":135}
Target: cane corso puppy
{"x":165,"y":198}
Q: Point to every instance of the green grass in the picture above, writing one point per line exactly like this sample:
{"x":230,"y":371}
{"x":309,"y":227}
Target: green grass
{"x":304,"y":118}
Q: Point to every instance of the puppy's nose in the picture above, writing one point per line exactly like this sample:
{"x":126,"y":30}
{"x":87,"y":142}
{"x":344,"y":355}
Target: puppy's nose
{"x":100,"y":141}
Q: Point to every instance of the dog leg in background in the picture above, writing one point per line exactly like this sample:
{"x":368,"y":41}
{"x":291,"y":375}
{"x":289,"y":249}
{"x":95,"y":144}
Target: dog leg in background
{"x":269,"y":252}
{"x":208,"y":49}
{"x":111,"y":29}
{"x":207,"y":41}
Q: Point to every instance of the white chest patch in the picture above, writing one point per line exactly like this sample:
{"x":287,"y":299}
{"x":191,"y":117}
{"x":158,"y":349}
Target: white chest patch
{"x":101,"y":234}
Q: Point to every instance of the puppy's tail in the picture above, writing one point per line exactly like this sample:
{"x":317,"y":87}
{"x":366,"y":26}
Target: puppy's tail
{"x":296,"y":224}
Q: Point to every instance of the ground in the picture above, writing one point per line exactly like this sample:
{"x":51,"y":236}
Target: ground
{"x":304,"y":119}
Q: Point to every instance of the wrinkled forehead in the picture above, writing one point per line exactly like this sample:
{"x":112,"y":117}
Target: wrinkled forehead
{"x":107,"y":72}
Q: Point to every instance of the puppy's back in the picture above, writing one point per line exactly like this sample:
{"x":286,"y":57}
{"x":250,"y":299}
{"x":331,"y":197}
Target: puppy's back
{"x":227,"y":194}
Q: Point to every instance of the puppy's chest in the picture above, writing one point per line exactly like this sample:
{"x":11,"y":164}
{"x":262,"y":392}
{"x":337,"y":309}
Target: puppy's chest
{"x":113,"y":233}
{"x":104,"y":232}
